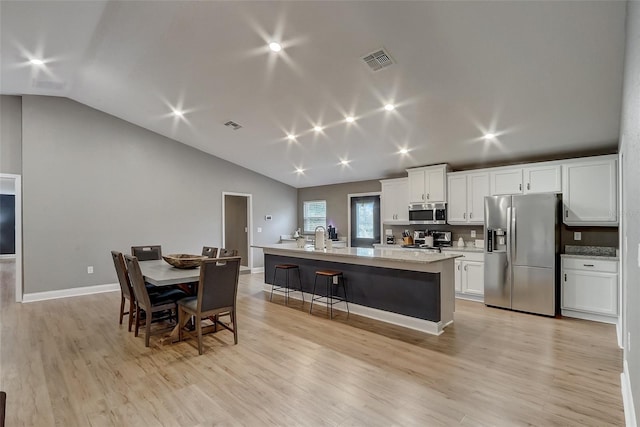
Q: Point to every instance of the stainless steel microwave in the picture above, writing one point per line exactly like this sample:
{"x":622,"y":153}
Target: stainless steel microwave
{"x":429,"y":213}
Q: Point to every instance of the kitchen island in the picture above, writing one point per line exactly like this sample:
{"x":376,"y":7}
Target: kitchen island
{"x":409,"y":288}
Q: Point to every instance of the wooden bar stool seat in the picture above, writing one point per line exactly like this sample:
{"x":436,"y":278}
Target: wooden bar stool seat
{"x":330,"y":298}
{"x":286,"y":289}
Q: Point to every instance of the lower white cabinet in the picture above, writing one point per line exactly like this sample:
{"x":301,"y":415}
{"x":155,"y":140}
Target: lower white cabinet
{"x":469,"y":275}
{"x":590,"y":289}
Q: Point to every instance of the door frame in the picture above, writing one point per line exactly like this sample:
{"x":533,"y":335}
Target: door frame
{"x":17,"y":188}
{"x":352,"y":195}
{"x":249,"y":198}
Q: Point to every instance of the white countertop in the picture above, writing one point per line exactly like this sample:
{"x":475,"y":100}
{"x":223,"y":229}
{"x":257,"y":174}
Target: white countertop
{"x":417,"y":256}
{"x":463,"y":249}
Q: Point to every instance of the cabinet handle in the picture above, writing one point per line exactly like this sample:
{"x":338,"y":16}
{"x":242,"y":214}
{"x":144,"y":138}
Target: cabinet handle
{"x":465,"y":268}
{"x":423,"y":196}
{"x":565,"y":277}
{"x":458,"y":267}
{"x":470,"y":215}
{"x":588,"y":265}
{"x":520,"y":187}
{"x":427,"y":196}
{"x":528,"y":186}
{"x":464,"y":215}
{"x":566,"y":213}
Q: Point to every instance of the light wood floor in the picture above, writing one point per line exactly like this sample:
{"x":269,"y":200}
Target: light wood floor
{"x":67,"y":362}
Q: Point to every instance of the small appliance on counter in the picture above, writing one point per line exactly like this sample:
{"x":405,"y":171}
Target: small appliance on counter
{"x":391,"y":240}
{"x":319,"y":243}
{"x":333,"y":233}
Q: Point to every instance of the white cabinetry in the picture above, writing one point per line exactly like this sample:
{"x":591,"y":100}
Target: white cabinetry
{"x":469,"y":275}
{"x":395,"y":201}
{"x":466,"y":197}
{"x":526,"y":180}
{"x":506,"y":181}
{"x":542,"y":179}
{"x":590,"y":289}
{"x":589,"y":192}
{"x":427,"y":184}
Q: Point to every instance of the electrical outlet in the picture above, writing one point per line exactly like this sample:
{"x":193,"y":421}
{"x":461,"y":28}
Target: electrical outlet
{"x":335,"y":280}
{"x":577,"y":235}
{"x":90,"y":269}
{"x":259,"y":229}
{"x":473,"y":233}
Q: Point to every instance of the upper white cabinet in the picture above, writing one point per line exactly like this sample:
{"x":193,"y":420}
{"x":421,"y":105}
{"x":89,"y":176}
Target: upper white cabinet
{"x":506,"y":181}
{"x":526,"y":180}
{"x":589,"y":192}
{"x":466,"y":193}
{"x":395,"y":201}
{"x":427,"y":184}
{"x":542,"y":179}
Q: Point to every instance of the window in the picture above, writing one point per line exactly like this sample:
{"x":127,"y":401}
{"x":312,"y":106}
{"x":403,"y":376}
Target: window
{"x":315,"y":214}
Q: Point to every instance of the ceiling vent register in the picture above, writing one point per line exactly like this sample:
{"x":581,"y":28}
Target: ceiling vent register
{"x":378,"y":60}
{"x":233,"y":125}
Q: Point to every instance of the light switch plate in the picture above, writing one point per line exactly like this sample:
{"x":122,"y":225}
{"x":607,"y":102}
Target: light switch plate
{"x":90,"y":269}
{"x":577,"y":235}
{"x":473,"y":234}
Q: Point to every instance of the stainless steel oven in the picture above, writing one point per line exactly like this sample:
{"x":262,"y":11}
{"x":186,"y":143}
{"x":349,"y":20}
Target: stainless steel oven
{"x":429,"y":213}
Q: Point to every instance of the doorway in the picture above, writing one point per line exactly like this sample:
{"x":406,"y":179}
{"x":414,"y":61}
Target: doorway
{"x":236,"y":226}
{"x":364,"y":220}
{"x":11,"y":233}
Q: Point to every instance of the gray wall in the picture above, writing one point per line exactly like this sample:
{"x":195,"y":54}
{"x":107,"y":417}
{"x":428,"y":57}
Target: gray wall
{"x":630,"y":150}
{"x":10,"y":134}
{"x":336,"y":197}
{"x":94,"y":183}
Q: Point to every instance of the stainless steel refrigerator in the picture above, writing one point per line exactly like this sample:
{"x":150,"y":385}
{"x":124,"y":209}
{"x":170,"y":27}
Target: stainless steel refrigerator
{"x":522,"y":243}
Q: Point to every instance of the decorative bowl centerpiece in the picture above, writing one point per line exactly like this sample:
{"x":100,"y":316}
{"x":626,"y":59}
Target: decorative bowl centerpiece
{"x":184,"y":260}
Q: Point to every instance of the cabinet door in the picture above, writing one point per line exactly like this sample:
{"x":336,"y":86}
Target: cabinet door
{"x":473,"y":278}
{"x":458,"y":275}
{"x":543,"y":179}
{"x":506,"y":182}
{"x":416,"y":186}
{"x":592,"y":292}
{"x":387,"y":202}
{"x":457,"y":207}
{"x":395,"y":201}
{"x":478,"y":189}
{"x":589,"y":193}
{"x":435,"y":186}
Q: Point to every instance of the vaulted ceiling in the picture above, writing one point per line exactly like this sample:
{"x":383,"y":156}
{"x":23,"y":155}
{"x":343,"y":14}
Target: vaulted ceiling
{"x":543,"y":77}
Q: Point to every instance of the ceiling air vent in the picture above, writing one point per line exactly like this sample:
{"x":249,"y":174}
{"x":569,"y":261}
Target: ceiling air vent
{"x":378,"y":60}
{"x":233,"y":125}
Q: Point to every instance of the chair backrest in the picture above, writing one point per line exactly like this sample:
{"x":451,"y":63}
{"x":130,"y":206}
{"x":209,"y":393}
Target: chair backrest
{"x":218,"y":285}
{"x":137,"y":281}
{"x":209,"y":251}
{"x":224,"y":253}
{"x":121,"y":271}
{"x":147,"y":253}
{"x":3,"y":405}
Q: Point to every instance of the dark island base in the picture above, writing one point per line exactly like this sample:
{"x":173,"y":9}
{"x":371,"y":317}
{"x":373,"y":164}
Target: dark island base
{"x":410,"y":293}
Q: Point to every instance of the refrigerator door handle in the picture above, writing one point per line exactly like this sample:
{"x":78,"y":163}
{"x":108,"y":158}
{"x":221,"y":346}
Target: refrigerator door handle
{"x":513,"y":233}
{"x":509,"y":237}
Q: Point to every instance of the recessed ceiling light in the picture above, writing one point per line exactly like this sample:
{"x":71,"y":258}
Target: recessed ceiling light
{"x":317,"y":128}
{"x":389,"y":107}
{"x":345,"y":162}
{"x":275,"y":47}
{"x":488,"y":136}
{"x":350,"y":119}
{"x":178,"y":113}
{"x":403,"y":151}
{"x":291,"y":137}
{"x":36,"y":61}
{"x":299,"y":170}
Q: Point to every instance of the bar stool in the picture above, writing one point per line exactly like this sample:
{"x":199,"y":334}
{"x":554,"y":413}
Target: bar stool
{"x":329,"y":297}
{"x":287,"y":289}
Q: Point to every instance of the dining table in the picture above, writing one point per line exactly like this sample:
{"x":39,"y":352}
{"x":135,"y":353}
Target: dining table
{"x":160,"y":273}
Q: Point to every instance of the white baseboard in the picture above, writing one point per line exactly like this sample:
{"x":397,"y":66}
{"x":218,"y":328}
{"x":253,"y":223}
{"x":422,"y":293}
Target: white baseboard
{"x":590,"y":316}
{"x":73,"y":292}
{"x":434,"y":328}
{"x":7,"y":257}
{"x":627,"y":397}
{"x":257,"y":270}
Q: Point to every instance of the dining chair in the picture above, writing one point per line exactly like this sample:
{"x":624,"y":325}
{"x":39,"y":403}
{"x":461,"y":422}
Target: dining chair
{"x":147,"y":253}
{"x":164,"y":300}
{"x":217,"y":292}
{"x":126,"y":291}
{"x":3,"y":407}
{"x":224,"y":253}
{"x":209,"y":251}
